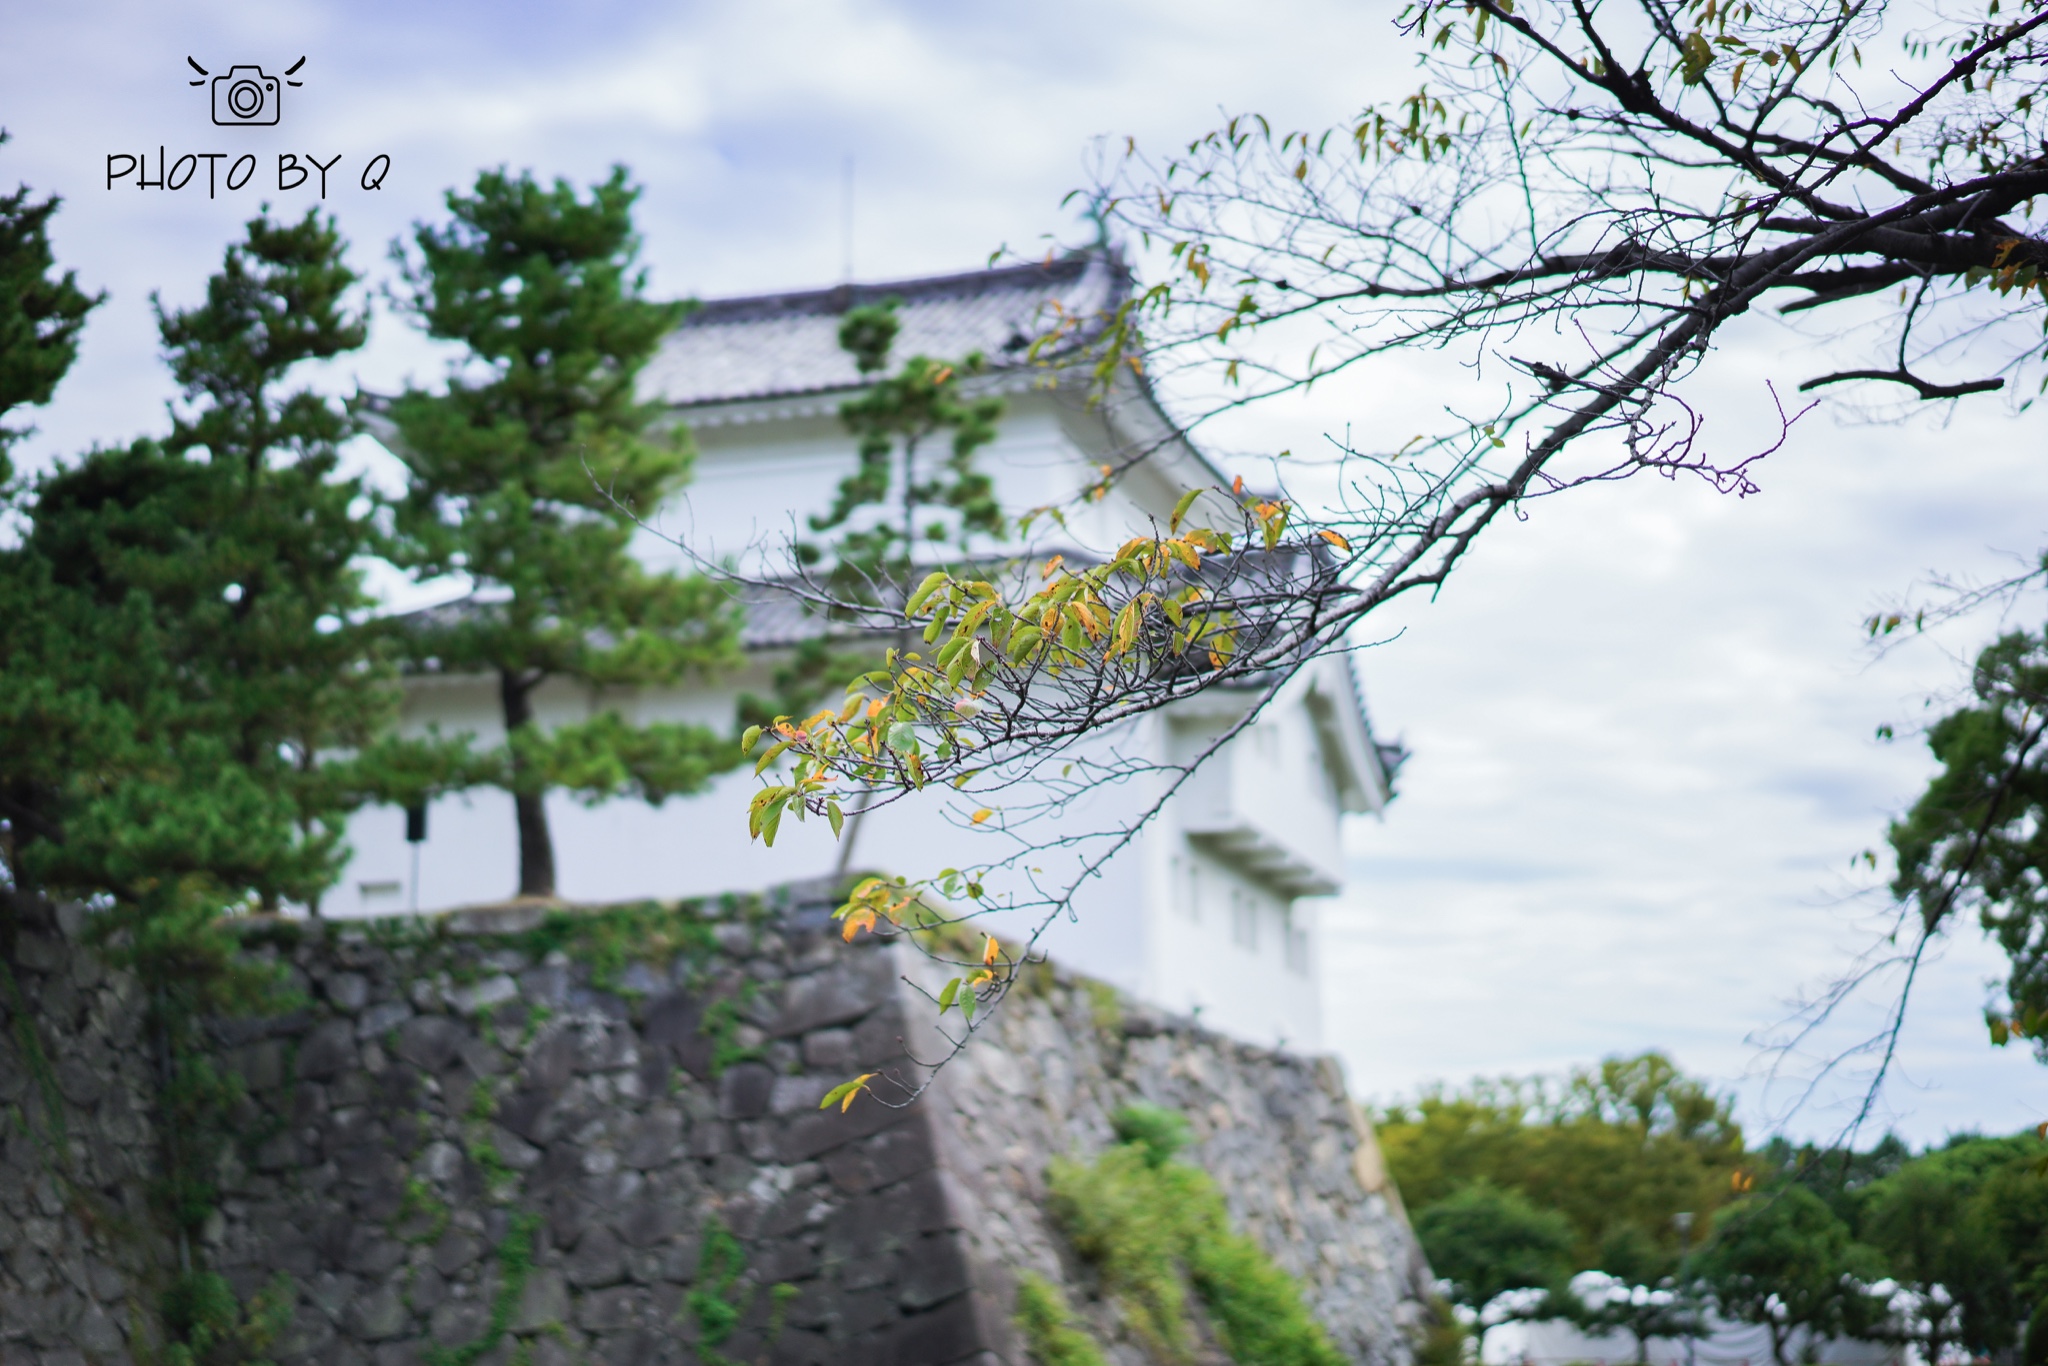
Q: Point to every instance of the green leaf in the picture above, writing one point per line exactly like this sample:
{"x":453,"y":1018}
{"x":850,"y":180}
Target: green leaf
{"x":747,"y":740}
{"x":836,"y":816}
{"x":946,"y":995}
{"x":924,"y":591}
{"x":1180,"y":509}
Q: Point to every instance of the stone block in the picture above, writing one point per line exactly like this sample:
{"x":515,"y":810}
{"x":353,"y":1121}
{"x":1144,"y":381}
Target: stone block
{"x":547,"y":1350}
{"x":829,"y":1049}
{"x":479,"y":997}
{"x":543,"y":1300}
{"x":801,"y":1347}
{"x":744,"y":1091}
{"x":332,"y":1294}
{"x":38,"y":952}
{"x":552,"y":1061}
{"x":878,"y":1040}
{"x":431,"y":1042}
{"x":328,"y":1051}
{"x":597,"y":1260}
{"x":861,"y":1309}
{"x":516,"y":1152}
{"x":786,"y":1259}
{"x":646,"y":1223}
{"x":946,"y":1333}
{"x":262,"y":1064}
{"x":924,"y":1203}
{"x":882,"y":1160}
{"x":835,"y":997}
{"x":799,"y":1095}
{"x":81,"y":1085}
{"x":381,"y":1019}
{"x":96,"y":1333}
{"x":819,"y":1132}
{"x":429,"y":1289}
{"x":931,"y":1271}
{"x":378,"y":1315}
{"x":653,"y":1140}
{"x":348,"y":992}
{"x":610,"y":1048}
{"x":607,"y":1311}
{"x":456,"y":1250}
{"x":280,"y":1152}
{"x":530,"y":1113}
{"x":371,"y":1252}
{"x":457,"y":1322}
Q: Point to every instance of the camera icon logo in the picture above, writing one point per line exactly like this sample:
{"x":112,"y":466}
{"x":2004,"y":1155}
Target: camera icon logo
{"x":246,"y":96}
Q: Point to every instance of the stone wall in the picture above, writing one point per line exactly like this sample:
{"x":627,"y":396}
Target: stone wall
{"x":506,"y":1136}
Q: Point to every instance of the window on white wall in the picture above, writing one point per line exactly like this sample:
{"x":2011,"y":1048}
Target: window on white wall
{"x":1296,"y":951}
{"x":1244,"y":919}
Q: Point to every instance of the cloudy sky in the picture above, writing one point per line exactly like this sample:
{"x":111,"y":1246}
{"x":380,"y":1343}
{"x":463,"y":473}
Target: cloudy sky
{"x":1643,"y":721}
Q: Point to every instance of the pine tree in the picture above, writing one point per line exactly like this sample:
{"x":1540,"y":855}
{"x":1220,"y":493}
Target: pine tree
{"x":41,"y":312}
{"x":197,"y":704}
{"x":898,"y":496}
{"x":521,"y":473}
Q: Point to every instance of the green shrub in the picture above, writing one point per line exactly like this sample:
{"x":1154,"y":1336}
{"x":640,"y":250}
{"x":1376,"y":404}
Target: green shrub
{"x":1256,"y":1306}
{"x":1160,"y":1132}
{"x":1050,"y":1330}
{"x":1151,"y":1226}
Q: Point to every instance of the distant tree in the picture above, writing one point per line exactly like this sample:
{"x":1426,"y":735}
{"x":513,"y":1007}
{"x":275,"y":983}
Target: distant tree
{"x":41,"y":312}
{"x":1784,"y":1261}
{"x":2012,"y":1200}
{"x":1486,"y":1241}
{"x":1942,"y":1251}
{"x":1977,"y":839}
{"x":1628,"y":1144}
{"x":523,"y":474}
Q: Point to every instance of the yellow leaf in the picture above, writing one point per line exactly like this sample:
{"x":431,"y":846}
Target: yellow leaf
{"x":988,"y":954}
{"x":1237,"y":484}
{"x":1051,"y":565}
{"x":1334,"y":539}
{"x":981,"y":816}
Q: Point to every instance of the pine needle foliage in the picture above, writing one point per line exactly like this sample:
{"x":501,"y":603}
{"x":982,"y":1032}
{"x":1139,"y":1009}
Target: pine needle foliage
{"x":526,"y":472}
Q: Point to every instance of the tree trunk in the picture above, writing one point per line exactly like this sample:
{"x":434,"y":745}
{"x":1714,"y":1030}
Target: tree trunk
{"x":529,"y":805}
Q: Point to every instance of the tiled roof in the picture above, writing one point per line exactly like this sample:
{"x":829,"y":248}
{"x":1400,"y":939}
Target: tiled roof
{"x":776,"y":345}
